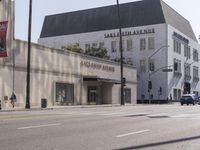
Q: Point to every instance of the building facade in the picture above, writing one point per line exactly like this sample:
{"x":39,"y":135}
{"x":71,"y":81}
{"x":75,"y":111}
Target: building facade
{"x":155,"y":38}
{"x":61,"y":77}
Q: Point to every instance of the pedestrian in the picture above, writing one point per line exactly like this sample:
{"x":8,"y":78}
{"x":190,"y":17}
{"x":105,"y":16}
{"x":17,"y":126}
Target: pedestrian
{"x":13,"y":99}
{"x":2,"y":48}
{"x":167,"y":100}
{"x":170,"y":97}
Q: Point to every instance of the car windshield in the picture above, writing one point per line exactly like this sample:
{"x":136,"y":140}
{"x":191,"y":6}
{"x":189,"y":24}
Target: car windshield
{"x":186,"y":97}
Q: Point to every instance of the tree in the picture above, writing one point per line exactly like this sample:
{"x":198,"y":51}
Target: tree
{"x":97,"y":52}
{"x":118,"y":59}
{"x":73,"y":47}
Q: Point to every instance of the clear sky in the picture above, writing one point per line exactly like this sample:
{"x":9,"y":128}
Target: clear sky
{"x":187,"y":8}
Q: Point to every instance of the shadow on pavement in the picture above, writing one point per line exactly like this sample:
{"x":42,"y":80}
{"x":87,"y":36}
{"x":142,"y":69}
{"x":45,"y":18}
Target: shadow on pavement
{"x":160,"y":143}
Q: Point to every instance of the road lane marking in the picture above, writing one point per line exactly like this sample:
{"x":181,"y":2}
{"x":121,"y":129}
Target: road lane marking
{"x":39,"y":126}
{"x":132,"y":133}
{"x":10,"y":118}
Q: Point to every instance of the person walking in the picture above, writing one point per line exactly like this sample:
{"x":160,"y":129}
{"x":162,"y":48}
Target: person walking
{"x":13,"y":99}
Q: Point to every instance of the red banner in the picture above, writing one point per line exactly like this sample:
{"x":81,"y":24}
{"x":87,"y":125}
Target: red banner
{"x":3,"y":31}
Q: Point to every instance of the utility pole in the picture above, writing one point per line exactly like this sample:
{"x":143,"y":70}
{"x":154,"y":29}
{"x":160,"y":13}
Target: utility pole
{"x":121,"y":54}
{"x":28,"y":58}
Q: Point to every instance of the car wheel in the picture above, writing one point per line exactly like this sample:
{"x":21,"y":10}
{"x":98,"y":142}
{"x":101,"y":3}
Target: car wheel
{"x":187,"y":103}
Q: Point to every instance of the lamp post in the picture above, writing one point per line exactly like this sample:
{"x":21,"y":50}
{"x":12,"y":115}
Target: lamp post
{"x":121,"y":53}
{"x":149,"y":80}
{"x":28,"y":58}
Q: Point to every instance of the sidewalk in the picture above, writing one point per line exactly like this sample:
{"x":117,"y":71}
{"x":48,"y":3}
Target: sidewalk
{"x":77,"y":106}
{"x":59,"y":107}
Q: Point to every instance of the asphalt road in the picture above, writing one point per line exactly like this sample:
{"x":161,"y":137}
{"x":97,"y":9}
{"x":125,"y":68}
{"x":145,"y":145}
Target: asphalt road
{"x":143,"y":127}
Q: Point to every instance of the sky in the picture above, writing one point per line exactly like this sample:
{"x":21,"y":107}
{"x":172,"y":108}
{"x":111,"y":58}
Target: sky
{"x":189,"y":9}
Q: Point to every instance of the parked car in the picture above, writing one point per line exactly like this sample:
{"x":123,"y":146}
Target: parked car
{"x":198,"y":100}
{"x":189,"y":99}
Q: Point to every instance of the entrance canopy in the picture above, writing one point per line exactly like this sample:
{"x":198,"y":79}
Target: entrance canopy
{"x":98,"y":79}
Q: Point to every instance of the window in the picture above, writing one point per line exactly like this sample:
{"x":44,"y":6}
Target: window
{"x":64,"y":93}
{"x":129,"y":45}
{"x":151,"y":41}
{"x":94,"y":45}
{"x":177,"y":46}
{"x":87,"y":46}
{"x":113,"y":46}
{"x":195,"y":55}
{"x":187,"y":69}
{"x":195,"y":72}
{"x":196,"y":93}
{"x":143,"y":65}
{"x":175,"y":94}
{"x":142,"y":44}
{"x":127,"y":95}
{"x":177,"y":65}
{"x":101,"y":45}
{"x":179,"y":94}
{"x":187,"y":51}
{"x":151,"y":65}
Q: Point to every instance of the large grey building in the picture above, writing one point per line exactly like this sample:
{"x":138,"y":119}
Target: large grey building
{"x":155,"y":37}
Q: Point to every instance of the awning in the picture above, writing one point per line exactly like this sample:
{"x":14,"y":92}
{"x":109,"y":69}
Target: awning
{"x":98,"y":79}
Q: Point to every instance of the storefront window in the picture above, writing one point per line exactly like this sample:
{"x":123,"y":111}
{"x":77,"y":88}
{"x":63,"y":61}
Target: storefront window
{"x":64,"y":93}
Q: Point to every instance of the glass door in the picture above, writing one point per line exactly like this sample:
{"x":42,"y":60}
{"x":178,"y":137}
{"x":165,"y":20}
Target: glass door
{"x":92,"y":95}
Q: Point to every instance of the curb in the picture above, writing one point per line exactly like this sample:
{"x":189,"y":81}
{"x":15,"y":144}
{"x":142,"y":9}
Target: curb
{"x":59,"y":107}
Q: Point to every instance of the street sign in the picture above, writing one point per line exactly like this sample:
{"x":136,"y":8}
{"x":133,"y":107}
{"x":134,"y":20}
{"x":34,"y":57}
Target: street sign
{"x":167,"y":70}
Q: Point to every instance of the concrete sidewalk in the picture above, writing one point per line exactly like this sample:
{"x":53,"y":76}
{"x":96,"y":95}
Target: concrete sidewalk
{"x":60,"y":107}
{"x":77,"y":106}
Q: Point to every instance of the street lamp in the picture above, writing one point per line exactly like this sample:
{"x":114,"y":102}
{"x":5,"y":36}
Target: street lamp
{"x":149,"y":81}
{"x":28,"y":58}
{"x":121,"y":53}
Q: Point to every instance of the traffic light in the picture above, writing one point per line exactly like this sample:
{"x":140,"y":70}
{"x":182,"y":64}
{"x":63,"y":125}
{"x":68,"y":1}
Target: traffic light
{"x":124,"y":81}
{"x":149,"y":85}
{"x":160,"y":91}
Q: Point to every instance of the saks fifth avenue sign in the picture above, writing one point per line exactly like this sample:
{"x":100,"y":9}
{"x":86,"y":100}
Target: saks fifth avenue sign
{"x":97,"y":66}
{"x":129,"y":33}
{"x":180,"y":37}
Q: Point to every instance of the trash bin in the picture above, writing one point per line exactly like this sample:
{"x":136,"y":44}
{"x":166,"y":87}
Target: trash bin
{"x":43,"y":103}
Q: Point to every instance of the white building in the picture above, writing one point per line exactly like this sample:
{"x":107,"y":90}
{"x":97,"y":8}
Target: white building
{"x":60,"y":77}
{"x":155,"y":37}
